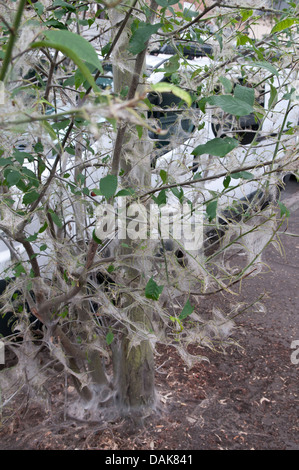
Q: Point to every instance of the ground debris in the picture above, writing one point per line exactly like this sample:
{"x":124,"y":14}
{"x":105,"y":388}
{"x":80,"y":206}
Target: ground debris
{"x":244,"y":399}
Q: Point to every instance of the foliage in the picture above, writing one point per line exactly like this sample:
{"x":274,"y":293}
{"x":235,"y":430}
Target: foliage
{"x":72,"y":142}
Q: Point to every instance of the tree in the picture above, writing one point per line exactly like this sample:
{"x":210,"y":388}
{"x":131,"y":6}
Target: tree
{"x":91,"y":137}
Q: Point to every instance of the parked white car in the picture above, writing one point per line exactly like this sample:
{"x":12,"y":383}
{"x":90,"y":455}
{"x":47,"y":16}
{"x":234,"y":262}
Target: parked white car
{"x":180,"y":151}
{"x":257,"y":136}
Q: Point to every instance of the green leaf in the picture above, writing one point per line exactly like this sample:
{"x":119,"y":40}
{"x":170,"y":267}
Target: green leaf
{"x":79,"y":79}
{"x":49,"y":129}
{"x":19,"y":156}
{"x":69,"y":81}
{"x":76,"y":48}
{"x":139,"y":130}
{"x":161,"y":199}
{"x":64,"y":313}
{"x":217,"y":147}
{"x":290,"y":95}
{"x":273,"y":96}
{"x":187,"y":310}
{"x":227,"y":84}
{"x":55,"y":218}
{"x":141,"y":35}
{"x":60,"y":125}
{"x":164,"y":87}
{"x":284,"y":24}
{"x":108,"y":186}
{"x":70,"y":150}
{"x":65,"y":5}
{"x":39,"y":7}
{"x":43,"y":228}
{"x":13,"y":177}
{"x":31,"y":177}
{"x":83,"y":48}
{"x":55,"y":24}
{"x":245,"y":94}
{"x":19,"y":269}
{"x":30,"y":197}
{"x":5,"y":161}
{"x":202,"y":104}
{"x":243,"y":39}
{"x":178,"y":321}
{"x":167,"y":3}
{"x":125,"y":192}
{"x":41,"y":167}
{"x":163,"y":176}
{"x":197,"y":175}
{"x":106,"y":49}
{"x":32,"y":238}
{"x":246,"y":175}
{"x":38,"y":148}
{"x":212,"y":210}
{"x":246,"y":14}
{"x":179,"y":193}
{"x":124,"y":91}
{"x":226,"y":181}
{"x":152,"y":290}
{"x":109,"y":337}
{"x":263,"y":65}
{"x":172,"y":65}
{"x":230,"y":104}
{"x":283,"y":210}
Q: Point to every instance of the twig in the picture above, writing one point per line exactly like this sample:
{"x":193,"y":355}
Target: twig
{"x":195,"y":20}
{"x":12,"y":38}
{"x":6,"y":24}
{"x":207,"y":178}
{"x":50,"y":75}
{"x":236,"y":281}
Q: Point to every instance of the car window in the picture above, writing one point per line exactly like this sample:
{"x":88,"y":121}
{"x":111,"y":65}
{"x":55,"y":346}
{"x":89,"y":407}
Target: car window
{"x":170,"y":120}
{"x":106,"y":81}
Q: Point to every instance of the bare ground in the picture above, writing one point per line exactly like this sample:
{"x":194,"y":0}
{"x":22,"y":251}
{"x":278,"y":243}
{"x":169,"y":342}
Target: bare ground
{"x":245,"y":399}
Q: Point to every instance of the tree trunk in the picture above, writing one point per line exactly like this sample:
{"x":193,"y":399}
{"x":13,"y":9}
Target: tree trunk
{"x":133,"y":365}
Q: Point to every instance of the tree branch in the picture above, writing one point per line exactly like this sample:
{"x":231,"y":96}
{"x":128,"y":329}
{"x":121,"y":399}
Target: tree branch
{"x":51,"y":304}
{"x":12,"y":38}
{"x":195,"y":20}
{"x":207,"y":178}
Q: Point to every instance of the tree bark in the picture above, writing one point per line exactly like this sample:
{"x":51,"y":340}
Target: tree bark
{"x":133,"y":366}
